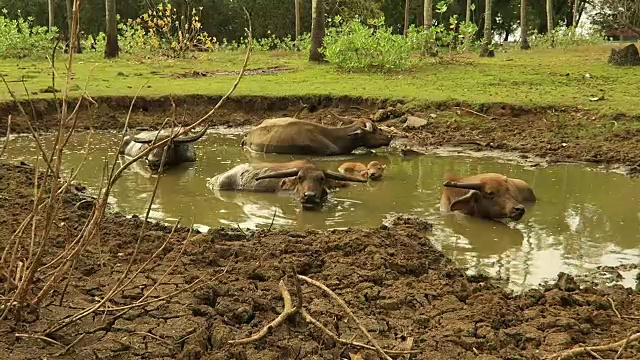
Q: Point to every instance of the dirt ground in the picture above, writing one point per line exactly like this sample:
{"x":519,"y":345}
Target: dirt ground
{"x":397,"y":284}
{"x":556,"y":135}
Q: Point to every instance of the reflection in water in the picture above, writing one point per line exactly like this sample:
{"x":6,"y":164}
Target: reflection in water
{"x":582,"y":219}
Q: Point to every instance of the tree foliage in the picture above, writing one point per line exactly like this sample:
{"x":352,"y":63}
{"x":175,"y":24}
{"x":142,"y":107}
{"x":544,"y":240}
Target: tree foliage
{"x":614,"y":14}
{"x":222,"y":19}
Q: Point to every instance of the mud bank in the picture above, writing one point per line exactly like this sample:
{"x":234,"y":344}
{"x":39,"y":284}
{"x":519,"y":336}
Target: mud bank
{"x":393,"y":279}
{"x":555,"y":134}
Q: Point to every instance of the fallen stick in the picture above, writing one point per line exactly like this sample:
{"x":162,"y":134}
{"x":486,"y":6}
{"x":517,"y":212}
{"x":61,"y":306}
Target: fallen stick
{"x":475,"y":112}
{"x":308,"y":318}
{"x":288,"y":311}
{"x":568,"y":354}
{"x":346,"y":308}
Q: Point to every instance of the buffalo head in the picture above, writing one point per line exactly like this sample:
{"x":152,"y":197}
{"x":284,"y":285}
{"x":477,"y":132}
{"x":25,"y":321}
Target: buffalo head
{"x":492,"y":196}
{"x":375,"y":170}
{"x":369,"y":135}
{"x":178,"y":150}
{"x":309,"y":184}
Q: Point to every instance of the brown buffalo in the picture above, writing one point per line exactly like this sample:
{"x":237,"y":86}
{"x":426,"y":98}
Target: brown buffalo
{"x":307,"y":182}
{"x":373,"y":170}
{"x":292,"y":136}
{"x":489,"y":195}
{"x":179,"y":150}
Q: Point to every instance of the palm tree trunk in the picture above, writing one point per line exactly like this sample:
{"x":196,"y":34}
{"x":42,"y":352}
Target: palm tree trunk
{"x":297,"y":15}
{"x":486,"y":42}
{"x":468,"y":14}
{"x":111,"y":49}
{"x":317,"y":30}
{"x":406,"y":17}
{"x":50,"y":8}
{"x":550,"y":20}
{"x":576,"y":6}
{"x":524,"y":39}
{"x":428,"y":14}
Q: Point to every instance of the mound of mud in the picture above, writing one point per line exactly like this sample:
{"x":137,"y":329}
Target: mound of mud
{"x":627,"y":56}
{"x":392,"y":277}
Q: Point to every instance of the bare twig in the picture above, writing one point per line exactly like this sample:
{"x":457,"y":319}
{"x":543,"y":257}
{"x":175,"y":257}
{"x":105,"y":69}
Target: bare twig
{"x":308,"y":318}
{"x":474,"y":112}
{"x":346,"y":308}
{"x":590,"y":352}
{"x":39,"y":337}
{"x":6,"y":138}
{"x":73,"y":343}
{"x":162,"y":298}
{"x":568,"y":354}
{"x":273,"y":219}
{"x":613,"y":307}
{"x":624,"y":345}
{"x":288,"y":311}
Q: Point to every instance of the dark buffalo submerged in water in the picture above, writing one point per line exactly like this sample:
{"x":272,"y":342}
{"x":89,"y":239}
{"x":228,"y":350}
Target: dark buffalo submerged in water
{"x":309,"y":184}
{"x":179,"y":150}
{"x":292,"y":136}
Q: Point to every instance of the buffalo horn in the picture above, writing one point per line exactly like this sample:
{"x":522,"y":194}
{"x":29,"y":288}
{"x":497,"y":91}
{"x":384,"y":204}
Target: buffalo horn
{"x":192,"y":138}
{"x":279,"y":174}
{"x":340,"y":177}
{"x":468,"y":186}
{"x":368,"y":126}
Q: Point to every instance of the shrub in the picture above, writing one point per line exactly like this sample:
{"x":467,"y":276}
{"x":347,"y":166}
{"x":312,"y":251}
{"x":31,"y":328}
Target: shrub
{"x":161,"y":29}
{"x":20,"y":38}
{"x":565,"y":37}
{"x":371,"y":47}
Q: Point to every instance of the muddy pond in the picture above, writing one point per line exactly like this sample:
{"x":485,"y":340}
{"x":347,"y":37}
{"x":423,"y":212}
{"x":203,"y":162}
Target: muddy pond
{"x":583,"y":218}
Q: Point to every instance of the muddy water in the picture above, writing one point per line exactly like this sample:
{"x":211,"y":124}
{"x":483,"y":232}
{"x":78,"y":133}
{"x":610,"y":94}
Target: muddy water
{"x":583,"y":218}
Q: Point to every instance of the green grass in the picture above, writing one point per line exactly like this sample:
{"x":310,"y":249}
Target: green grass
{"x":541,"y":77}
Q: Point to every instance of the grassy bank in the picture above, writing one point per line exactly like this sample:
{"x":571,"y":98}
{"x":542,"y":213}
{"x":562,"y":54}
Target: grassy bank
{"x":542,"y":77}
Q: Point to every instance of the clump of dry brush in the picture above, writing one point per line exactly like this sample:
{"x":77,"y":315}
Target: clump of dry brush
{"x":30,"y":267}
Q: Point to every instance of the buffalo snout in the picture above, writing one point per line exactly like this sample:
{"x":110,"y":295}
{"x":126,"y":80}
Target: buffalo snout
{"x":517,"y":212}
{"x":311,"y":201}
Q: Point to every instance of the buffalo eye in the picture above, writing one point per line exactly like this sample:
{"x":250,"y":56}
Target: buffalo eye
{"x":489,"y":193}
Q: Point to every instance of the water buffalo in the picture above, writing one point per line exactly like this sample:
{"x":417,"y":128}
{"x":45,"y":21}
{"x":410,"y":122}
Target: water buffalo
{"x":373,"y":170}
{"x":307,"y":182}
{"x":292,"y":136}
{"x":180,"y":150}
{"x":489,"y":195}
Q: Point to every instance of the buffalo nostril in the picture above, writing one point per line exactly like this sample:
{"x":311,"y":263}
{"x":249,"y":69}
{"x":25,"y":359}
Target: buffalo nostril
{"x":519,"y":209}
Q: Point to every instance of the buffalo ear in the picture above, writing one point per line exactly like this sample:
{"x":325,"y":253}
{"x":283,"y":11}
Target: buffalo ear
{"x":465,"y":203}
{"x":355,"y":133}
{"x":384,"y":166}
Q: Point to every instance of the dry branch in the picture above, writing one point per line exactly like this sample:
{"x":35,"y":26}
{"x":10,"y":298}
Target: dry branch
{"x":289,"y":310}
{"x":308,"y":318}
{"x":568,"y":354}
{"x":6,"y":138}
{"x":348,"y":310}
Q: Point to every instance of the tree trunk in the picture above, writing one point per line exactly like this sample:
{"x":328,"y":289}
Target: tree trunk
{"x":576,"y":11}
{"x":550,"y":20}
{"x":297,"y":15}
{"x":111,"y":49}
{"x":524,"y":38}
{"x":428,"y":14}
{"x":50,"y":7}
{"x":485,"y":51}
{"x":317,"y":30}
{"x":467,"y":17}
{"x":406,"y":17}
